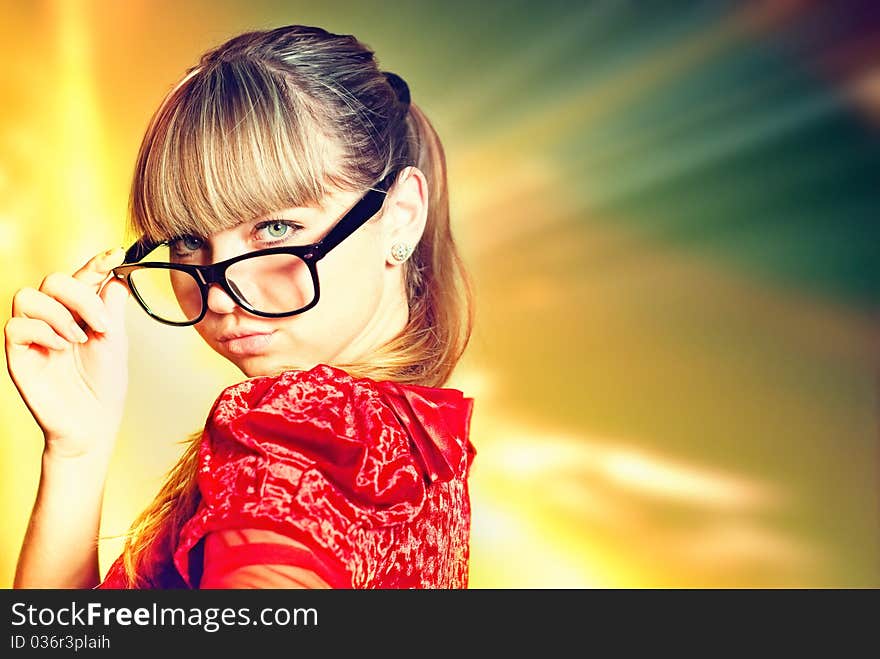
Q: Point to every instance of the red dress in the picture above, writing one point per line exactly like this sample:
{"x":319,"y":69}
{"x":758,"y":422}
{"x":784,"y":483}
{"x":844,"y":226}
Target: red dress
{"x":365,"y":480}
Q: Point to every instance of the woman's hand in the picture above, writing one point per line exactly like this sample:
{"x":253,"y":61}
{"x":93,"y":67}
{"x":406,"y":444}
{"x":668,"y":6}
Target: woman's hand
{"x":67,"y":353}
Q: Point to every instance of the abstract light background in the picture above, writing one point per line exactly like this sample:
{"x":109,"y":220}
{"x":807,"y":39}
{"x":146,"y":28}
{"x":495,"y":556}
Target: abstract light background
{"x":670,"y":211}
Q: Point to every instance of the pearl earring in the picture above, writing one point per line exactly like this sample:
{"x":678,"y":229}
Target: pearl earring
{"x":400,"y":252}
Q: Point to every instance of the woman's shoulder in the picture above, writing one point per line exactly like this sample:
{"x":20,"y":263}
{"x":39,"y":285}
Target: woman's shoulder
{"x":325,"y":387}
{"x":324,"y":457}
{"x":325,"y":415}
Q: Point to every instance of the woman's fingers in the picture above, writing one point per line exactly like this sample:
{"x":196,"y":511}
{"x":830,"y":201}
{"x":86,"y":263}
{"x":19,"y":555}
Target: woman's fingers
{"x":78,"y":296}
{"x":39,"y":305}
{"x":64,"y":300}
{"x":112,"y":292}
{"x":115,"y":294}
{"x":24,"y":332}
{"x":95,"y":272}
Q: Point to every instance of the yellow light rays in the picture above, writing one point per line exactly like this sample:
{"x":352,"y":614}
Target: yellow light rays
{"x":56,"y":219}
{"x":690,"y":156}
{"x":10,"y":219}
{"x":533,"y":455}
{"x":714,"y":377}
{"x":511,"y":549}
{"x":666,"y":165}
{"x":589,"y":105}
{"x":572,"y":507}
{"x":526,"y":179}
{"x":523,"y":196}
{"x":527,"y":183}
{"x":744,"y":546}
{"x":22,"y":163}
{"x":82,"y":198}
{"x":10,"y":236}
{"x":651,"y":475}
{"x":527,"y":61}
{"x":54,"y":214}
{"x":568,"y":115}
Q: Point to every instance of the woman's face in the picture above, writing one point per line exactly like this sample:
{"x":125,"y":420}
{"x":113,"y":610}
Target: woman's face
{"x":362,"y":297}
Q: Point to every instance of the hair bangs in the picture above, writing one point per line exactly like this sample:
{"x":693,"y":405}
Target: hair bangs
{"x":233,"y":142}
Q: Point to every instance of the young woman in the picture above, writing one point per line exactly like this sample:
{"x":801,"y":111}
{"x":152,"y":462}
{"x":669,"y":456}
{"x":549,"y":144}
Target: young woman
{"x":291,"y":205}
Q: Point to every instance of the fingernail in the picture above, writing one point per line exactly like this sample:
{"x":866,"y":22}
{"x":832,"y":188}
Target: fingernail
{"x":103,"y":322}
{"x":78,"y":335}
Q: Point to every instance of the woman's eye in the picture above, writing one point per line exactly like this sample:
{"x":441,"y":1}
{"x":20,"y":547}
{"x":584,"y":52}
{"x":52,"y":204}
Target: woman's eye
{"x":187,"y":244}
{"x":276,"y":229}
{"x":191,"y":243}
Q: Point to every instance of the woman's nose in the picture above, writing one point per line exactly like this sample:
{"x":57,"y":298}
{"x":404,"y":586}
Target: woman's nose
{"x":219,"y":300}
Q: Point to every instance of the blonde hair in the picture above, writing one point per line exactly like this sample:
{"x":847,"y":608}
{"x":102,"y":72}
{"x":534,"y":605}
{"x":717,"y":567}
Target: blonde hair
{"x":273,"y":119}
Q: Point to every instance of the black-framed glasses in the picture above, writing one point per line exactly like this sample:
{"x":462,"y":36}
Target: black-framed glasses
{"x":273,"y":283}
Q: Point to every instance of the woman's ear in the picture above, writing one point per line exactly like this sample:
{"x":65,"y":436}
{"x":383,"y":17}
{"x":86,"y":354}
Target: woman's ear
{"x":406,"y":214}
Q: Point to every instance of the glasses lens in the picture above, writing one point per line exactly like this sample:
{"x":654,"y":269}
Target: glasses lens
{"x":171,"y":295}
{"x":272,"y":283}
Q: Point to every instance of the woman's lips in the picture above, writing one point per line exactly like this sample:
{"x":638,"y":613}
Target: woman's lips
{"x":251,"y":344}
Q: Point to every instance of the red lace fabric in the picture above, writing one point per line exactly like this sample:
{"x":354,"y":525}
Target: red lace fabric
{"x":341,"y":481}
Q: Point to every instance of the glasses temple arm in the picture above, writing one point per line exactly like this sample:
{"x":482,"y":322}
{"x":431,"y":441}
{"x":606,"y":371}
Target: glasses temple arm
{"x":138,"y":251}
{"x":362,"y":211}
